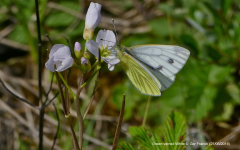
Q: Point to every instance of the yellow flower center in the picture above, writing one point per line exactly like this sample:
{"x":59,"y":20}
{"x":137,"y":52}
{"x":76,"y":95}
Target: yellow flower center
{"x":104,"y":51}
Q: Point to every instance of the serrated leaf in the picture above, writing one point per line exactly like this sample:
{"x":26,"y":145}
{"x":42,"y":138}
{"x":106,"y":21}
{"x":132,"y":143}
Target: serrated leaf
{"x":175,"y":131}
{"x":145,"y":138}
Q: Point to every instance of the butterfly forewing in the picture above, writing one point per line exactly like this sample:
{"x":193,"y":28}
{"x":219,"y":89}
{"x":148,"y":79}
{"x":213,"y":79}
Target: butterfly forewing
{"x":168,"y":60}
{"x":140,"y":76}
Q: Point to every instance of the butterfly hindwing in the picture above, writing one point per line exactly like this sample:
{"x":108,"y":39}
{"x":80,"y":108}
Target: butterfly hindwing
{"x":166,"y":82}
{"x":140,"y":76}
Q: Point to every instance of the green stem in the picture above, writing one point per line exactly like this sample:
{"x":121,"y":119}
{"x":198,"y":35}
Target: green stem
{"x":79,"y":115}
{"x":95,"y":72}
{"x":66,"y":85}
{"x":146,"y":111}
{"x":94,"y":65}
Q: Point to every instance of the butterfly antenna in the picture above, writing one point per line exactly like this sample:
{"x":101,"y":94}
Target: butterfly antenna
{"x":115,"y":30}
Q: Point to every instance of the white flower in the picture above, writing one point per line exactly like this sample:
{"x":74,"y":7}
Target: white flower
{"x":105,"y":43}
{"x":61,"y":56}
{"x":93,"y":18}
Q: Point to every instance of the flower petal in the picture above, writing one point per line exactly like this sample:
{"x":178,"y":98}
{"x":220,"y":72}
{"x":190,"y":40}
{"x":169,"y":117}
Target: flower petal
{"x":93,"y":47}
{"x":67,"y":63}
{"x":50,"y":64}
{"x":93,"y":16}
{"x":54,"y":49}
{"x":111,"y":67}
{"x":63,"y":51}
{"x":98,"y":6}
{"x":111,"y":61}
{"x":106,"y":37}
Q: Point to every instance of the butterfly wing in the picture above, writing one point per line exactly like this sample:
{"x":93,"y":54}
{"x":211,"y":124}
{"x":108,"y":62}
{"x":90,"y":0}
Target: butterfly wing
{"x":166,"y":82}
{"x":164,"y":61}
{"x":140,"y":76}
{"x":167,"y":59}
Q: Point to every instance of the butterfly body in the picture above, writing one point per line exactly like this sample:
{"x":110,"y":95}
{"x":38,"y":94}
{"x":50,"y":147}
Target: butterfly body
{"x":152,"y":68}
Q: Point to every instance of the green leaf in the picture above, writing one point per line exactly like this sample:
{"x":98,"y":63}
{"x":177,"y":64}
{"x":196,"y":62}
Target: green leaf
{"x":213,"y":53}
{"x":198,"y":92}
{"x":219,"y":74}
{"x":191,"y":43}
{"x":59,"y":19}
{"x":175,"y":131}
{"x":205,"y":102}
{"x":174,"y":135}
{"x":159,"y":27}
{"x":225,"y":4}
{"x":19,"y":35}
{"x":71,"y":4}
{"x":145,"y":138}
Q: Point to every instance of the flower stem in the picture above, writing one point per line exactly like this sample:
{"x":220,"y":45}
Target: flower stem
{"x":79,"y":115}
{"x":94,"y":65}
{"x":66,"y":92}
{"x":66,"y":113}
{"x":95,"y":72}
{"x":146,"y":111}
{"x":95,"y":86}
{"x":75,"y":143}
{"x":117,"y":133}
{"x":66,"y":85}
{"x":60,"y":91}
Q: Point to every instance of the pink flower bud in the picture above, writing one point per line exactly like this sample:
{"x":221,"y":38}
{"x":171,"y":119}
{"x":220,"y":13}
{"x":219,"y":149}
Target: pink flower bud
{"x":78,"y":50}
{"x":85,"y":64}
{"x":77,"y":46}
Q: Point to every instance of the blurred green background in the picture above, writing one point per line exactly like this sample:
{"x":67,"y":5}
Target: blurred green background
{"x":206,"y":90}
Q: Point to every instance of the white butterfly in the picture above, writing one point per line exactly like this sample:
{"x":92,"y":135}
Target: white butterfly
{"x":152,"y":68}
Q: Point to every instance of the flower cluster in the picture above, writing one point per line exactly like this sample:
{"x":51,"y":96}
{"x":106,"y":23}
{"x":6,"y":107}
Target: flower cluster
{"x":105,"y":42}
